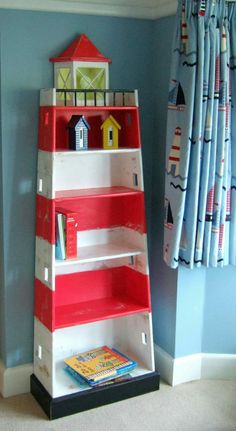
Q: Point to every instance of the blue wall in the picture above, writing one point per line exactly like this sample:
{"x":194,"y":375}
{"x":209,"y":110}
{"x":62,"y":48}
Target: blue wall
{"x":192,"y":310}
{"x":28,"y":40}
{"x":219,"y":335}
{"x":1,"y":232}
{"x":163,"y":279}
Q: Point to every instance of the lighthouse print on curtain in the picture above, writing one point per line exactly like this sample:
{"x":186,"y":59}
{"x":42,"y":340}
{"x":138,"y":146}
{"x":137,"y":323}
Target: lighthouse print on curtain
{"x":200,"y":189}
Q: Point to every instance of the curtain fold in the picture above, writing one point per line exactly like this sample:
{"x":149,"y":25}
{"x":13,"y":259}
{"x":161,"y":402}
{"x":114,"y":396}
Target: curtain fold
{"x":200,"y":188}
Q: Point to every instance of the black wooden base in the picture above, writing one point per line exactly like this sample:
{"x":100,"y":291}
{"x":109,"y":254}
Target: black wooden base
{"x":95,"y":397}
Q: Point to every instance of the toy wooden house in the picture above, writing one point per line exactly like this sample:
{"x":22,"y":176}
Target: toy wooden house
{"x":110,"y":129}
{"x":78,"y":133}
{"x":81,"y":66}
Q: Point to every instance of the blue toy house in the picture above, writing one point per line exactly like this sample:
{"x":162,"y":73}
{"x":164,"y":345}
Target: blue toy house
{"x":78,"y":133}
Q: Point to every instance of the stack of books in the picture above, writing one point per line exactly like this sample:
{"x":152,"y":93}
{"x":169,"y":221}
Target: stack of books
{"x":99,"y":366}
{"x":66,"y":224}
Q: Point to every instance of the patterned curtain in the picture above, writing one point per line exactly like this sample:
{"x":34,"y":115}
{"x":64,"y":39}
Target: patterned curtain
{"x":200,"y":189}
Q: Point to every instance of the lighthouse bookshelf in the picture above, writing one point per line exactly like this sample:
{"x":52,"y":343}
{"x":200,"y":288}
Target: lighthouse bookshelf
{"x":101,"y":296}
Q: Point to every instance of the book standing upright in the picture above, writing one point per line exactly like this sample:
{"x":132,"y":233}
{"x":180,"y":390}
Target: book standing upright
{"x":101,"y":295}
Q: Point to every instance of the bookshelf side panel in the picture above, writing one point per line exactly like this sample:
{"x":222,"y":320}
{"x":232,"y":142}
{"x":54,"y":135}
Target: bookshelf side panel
{"x":45,"y":174}
{"x":43,"y":355}
{"x":45,"y":218}
{"x":137,"y":338}
{"x":47,"y":129}
{"x":45,"y":262}
{"x":44,"y":305}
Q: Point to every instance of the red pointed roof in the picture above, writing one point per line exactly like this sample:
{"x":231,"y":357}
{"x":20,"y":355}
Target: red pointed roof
{"x":82,"y":49}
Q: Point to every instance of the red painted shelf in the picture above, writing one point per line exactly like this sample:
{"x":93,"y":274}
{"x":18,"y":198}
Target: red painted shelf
{"x":98,"y":191}
{"x":90,"y":296}
{"x":53,"y":121}
{"x":92,"y":311}
{"x":113,"y":208}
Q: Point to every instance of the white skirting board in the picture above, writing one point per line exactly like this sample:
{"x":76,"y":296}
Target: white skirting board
{"x":194,"y":367}
{"x":16,"y":380}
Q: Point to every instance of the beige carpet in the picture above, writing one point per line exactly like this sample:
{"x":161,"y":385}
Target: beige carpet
{"x":196,"y":406}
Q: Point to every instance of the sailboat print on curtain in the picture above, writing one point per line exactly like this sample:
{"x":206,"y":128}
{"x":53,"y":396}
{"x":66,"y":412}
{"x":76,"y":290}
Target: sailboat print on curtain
{"x":200,"y":185}
{"x":176,"y":98}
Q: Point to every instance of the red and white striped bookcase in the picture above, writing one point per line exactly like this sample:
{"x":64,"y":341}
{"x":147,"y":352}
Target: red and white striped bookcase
{"x":101,"y":296}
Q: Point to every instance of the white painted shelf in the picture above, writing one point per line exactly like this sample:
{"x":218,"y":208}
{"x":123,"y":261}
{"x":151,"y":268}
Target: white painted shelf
{"x":73,"y":170}
{"x":95,"y":151}
{"x":68,"y":385}
{"x":100,"y":252}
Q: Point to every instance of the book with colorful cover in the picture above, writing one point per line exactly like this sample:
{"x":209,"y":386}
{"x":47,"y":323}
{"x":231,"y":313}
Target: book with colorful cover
{"x":83,"y":384}
{"x":71,"y":223}
{"x":121,"y":378}
{"x":100,"y":364}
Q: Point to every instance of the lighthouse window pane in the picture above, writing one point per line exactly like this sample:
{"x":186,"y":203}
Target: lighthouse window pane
{"x":64,"y":82}
{"x":64,"y":78}
{"x":91,"y":78}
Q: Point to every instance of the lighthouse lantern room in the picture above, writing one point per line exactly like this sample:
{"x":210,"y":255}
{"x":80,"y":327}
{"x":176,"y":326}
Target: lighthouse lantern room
{"x":81,"y":66}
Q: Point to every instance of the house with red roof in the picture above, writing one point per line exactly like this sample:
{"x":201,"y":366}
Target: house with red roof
{"x":81,"y":66}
